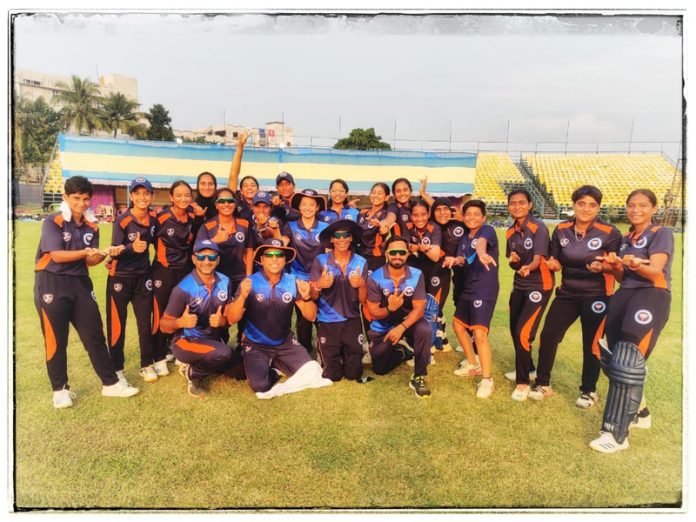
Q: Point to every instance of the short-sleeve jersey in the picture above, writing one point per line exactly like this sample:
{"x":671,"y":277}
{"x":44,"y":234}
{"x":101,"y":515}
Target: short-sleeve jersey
{"x":232,"y":250}
{"x":527,"y":240}
{"x":174,"y":238}
{"x":380,"y":285}
{"x":330,"y":215}
{"x":452,"y":233}
{"x":203,"y":302}
{"x":575,"y":252}
{"x":306,"y":242}
{"x":125,"y":231}
{"x":480,"y":283}
{"x":430,"y":235}
{"x":59,"y":234}
{"x":403,"y":217}
{"x":269,"y":309}
{"x":339,"y":302}
{"x":372,"y":242}
{"x":655,"y":239}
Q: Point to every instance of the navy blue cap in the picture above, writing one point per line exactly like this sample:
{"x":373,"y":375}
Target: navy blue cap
{"x":140,"y":182}
{"x":262,"y":197}
{"x":205,"y":244}
{"x":284,"y":175}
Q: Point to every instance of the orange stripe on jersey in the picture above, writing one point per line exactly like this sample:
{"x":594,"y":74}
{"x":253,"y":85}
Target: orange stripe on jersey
{"x":211,"y":224}
{"x":125,"y":221}
{"x":597,"y":336}
{"x":162,"y":253}
{"x":645,"y":343}
{"x":429,"y":227}
{"x":163,"y":218}
{"x":112,"y":270}
{"x":526,"y":331}
{"x":378,"y":242}
{"x":565,"y":224}
{"x":532,"y":226}
{"x":609,"y":283}
{"x":414,"y":301}
{"x":115,"y":324}
{"x":153,"y":213}
{"x":397,"y":230}
{"x":242,"y":222}
{"x":604,"y":228}
{"x":93,"y":226}
{"x":438,"y":296}
{"x":43,"y":262}
{"x":49,"y":336}
{"x":193,"y":347}
{"x":366,"y":312}
{"x":58,"y":220}
{"x":509,"y":232}
{"x":546,"y":275}
{"x":155,"y":316}
{"x":655,"y":228}
{"x":461,"y":323}
{"x":478,"y":327}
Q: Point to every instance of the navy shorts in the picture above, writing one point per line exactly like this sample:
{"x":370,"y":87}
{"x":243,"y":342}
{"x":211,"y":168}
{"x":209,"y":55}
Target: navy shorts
{"x":260,"y":359}
{"x":474,"y":313}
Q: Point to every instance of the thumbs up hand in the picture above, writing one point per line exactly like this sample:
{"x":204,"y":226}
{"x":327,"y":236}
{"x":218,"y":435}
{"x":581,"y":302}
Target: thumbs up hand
{"x":139,"y":246}
{"x":114,"y":251}
{"x":303,"y":289}
{"x":187,"y":320}
{"x":217,"y":319}
{"x":356,"y":280}
{"x":395,"y":300}
{"x":221,"y":236}
{"x":326,"y":279}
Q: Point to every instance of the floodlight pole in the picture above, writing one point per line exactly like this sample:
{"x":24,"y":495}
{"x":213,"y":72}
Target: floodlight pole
{"x":630,"y":138}
{"x":566,"y":139}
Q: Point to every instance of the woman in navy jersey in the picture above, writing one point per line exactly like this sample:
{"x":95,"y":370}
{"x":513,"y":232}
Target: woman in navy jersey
{"x":527,"y":250}
{"x":424,"y":244}
{"x":338,"y":206}
{"x":375,"y":229}
{"x":586,"y":287}
{"x":400,"y":210}
{"x":174,"y":239}
{"x":637,"y":314}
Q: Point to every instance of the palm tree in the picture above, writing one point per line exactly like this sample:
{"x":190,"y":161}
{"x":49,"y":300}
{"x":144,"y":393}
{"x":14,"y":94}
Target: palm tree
{"x":118,"y":113}
{"x":80,"y":102}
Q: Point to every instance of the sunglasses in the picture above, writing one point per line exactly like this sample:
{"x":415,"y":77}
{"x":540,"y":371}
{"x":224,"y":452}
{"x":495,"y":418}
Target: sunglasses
{"x":209,"y":257}
{"x":342,"y":235}
{"x":222,"y":201}
{"x":273,"y":253}
{"x":397,"y":252}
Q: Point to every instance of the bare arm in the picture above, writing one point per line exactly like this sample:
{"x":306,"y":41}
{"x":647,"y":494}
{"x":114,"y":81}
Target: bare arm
{"x":236,"y":166}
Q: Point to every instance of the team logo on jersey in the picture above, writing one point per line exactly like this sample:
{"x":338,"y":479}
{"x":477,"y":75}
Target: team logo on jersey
{"x":528,"y":243}
{"x":316,"y":237}
{"x":152,"y":230}
{"x":535,"y":297}
{"x":473,"y":243}
{"x":199,"y":300}
{"x":87,"y":238}
{"x":66,"y":236}
{"x":222,"y":295}
{"x":404,"y":218}
{"x":132,"y":236}
{"x":276,"y":242}
{"x":322,"y":340}
{"x":247,"y":347}
{"x":458,"y":232}
{"x":369,"y":273}
{"x":386,"y":291}
{"x":298,"y":237}
{"x":240,"y":236}
{"x":361,"y":339}
{"x":158,"y":283}
{"x":641,"y":242}
{"x":565,"y":241}
{"x":594,"y":243}
{"x":93,"y":296}
{"x":643,"y":317}
{"x":425,"y":240}
{"x":287,"y":297}
{"x":261,"y":194}
{"x":435,"y":281}
{"x":348,"y":217}
{"x":478,"y":303}
{"x":408,"y":291}
{"x":170,"y":232}
{"x":148,"y":284}
{"x":370,"y":224}
{"x":48,"y":298}
{"x":259,"y":298}
{"x":118,"y":287}
{"x":598,"y":307}
{"x":624,"y":246}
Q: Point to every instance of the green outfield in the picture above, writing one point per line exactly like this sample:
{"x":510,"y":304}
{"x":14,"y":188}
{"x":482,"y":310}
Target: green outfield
{"x":345,"y":446}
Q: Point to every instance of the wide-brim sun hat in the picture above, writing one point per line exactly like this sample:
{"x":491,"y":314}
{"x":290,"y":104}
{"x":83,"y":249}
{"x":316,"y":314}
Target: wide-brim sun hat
{"x":274,"y":244}
{"x":341,"y":224}
{"x":308,"y":193}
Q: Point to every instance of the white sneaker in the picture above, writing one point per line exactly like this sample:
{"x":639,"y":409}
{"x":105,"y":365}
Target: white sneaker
{"x":587,"y":400}
{"x":606,"y":443}
{"x":169,"y":357}
{"x":512,"y":376}
{"x":485,"y":388}
{"x":520,"y":394}
{"x":539,"y":393}
{"x":148,"y":374}
{"x":63,"y":398}
{"x":161,"y":368}
{"x":459,"y":349}
{"x":642,"y":420}
{"x":121,"y":377}
{"x":119,"y":390}
{"x":466,"y":369}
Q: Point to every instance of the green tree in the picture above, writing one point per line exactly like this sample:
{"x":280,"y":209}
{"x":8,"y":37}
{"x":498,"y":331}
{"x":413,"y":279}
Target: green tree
{"x":80,"y":99}
{"x":36,"y":126}
{"x":362,"y":139}
{"x":119,"y":113}
{"x":160,"y":124}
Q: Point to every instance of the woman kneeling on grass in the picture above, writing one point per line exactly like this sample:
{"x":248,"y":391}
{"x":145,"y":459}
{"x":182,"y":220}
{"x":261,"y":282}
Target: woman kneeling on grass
{"x":637,"y":314}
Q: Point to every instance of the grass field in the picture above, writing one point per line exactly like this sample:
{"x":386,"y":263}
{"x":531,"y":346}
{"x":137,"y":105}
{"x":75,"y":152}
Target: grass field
{"x":345,"y":446}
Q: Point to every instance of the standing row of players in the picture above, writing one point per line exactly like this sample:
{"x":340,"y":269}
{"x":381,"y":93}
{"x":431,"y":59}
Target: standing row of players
{"x":257,"y":258}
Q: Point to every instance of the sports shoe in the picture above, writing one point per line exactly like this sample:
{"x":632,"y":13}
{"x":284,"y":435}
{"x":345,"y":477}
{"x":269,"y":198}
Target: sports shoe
{"x":485,"y":388}
{"x":642,"y":420}
{"x":148,"y":374}
{"x":121,"y":377}
{"x":418,"y":384}
{"x":63,"y":398}
{"x":459,"y":349}
{"x":606,"y":443}
{"x":466,"y":369}
{"x":195,"y":387}
{"x":169,"y":357}
{"x":512,"y":376}
{"x":587,"y":400}
{"x":161,"y":368}
{"x":119,"y":390}
{"x":539,"y":392}
{"x":520,"y":394}
{"x":411,"y":363}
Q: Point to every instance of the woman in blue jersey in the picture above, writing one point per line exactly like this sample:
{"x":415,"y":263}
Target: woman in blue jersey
{"x":338,"y":207}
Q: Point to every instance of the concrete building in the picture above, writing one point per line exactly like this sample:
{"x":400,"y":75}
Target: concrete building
{"x":272,"y":135}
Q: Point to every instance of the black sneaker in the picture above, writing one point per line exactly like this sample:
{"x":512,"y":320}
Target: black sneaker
{"x":195,"y":386}
{"x":418,"y":385}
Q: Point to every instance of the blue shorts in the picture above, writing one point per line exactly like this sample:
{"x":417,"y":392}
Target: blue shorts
{"x":474,"y":313}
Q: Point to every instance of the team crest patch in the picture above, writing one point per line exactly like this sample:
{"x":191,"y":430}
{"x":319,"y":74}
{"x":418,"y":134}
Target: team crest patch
{"x":458,"y":232}
{"x":67,"y":236}
{"x":152,"y":230}
{"x":370,"y":224}
{"x":361,"y":339}
{"x":408,"y":291}
{"x":170,"y":232}
{"x":535,"y":297}
{"x":643,"y":317}
{"x":87,"y":238}
{"x":199,"y":300}
{"x":641,"y":242}
{"x":118,"y":287}
{"x":404,"y":218}
{"x":598,"y":307}
{"x":594,"y":243}
{"x":222,"y":295}
{"x":386,"y":291}
{"x":435,"y":281}
{"x":478,"y":303}
{"x":48,"y":298}
{"x":158,"y":283}
{"x":287,"y":297}
{"x":93,"y":296}
{"x":369,"y":273}
{"x":132,"y":236}
{"x":624,"y":246}
{"x":148,"y":284}
{"x":239,"y":236}
{"x":473,"y":243}
{"x":425,"y":241}
{"x":528,"y":243}
{"x":261,"y":194}
{"x":259,"y":298}
{"x":298,"y":237}
{"x":565,"y":241}
{"x":276,"y":242}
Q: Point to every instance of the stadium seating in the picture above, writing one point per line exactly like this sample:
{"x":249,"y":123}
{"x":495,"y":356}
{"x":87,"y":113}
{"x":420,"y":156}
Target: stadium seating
{"x":54,"y":179}
{"x":494,"y":173}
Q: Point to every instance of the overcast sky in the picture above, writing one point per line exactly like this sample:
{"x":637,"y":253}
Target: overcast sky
{"x":429,"y":74}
